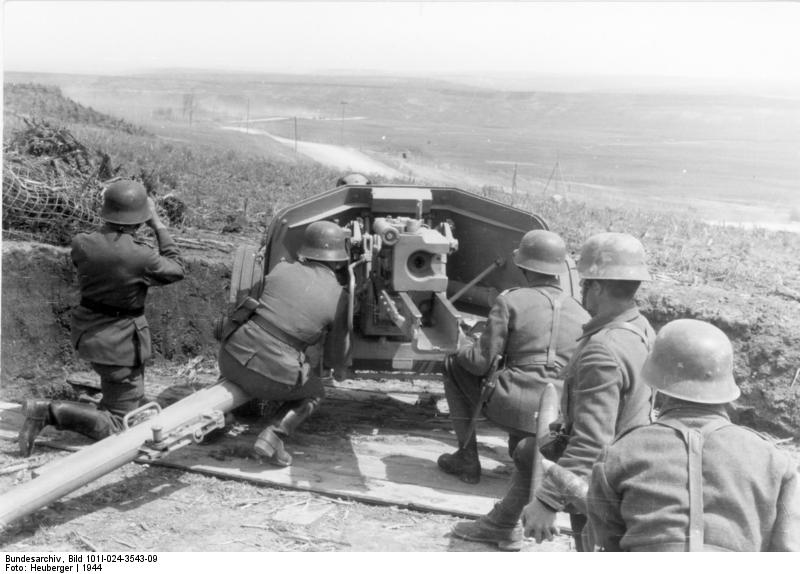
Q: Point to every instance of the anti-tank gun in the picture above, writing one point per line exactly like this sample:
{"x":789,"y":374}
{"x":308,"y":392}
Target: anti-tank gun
{"x":423,"y":261}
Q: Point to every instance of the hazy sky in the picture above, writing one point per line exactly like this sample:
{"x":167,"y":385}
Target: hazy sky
{"x":755,"y":41}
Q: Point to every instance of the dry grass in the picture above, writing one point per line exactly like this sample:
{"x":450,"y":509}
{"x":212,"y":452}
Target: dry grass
{"x":684,"y":249}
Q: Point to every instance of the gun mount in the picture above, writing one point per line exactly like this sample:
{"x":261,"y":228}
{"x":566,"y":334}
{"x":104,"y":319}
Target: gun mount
{"x":423,"y":261}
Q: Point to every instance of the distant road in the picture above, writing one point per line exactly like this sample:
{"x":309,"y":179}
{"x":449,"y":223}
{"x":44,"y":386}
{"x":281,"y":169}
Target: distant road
{"x":337,"y":157}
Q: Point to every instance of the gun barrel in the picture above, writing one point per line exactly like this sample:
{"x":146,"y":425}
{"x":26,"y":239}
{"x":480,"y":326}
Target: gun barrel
{"x":106,"y":455}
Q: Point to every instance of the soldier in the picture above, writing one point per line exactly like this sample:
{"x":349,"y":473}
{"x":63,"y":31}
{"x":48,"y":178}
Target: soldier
{"x":535,"y":329}
{"x":352,"y":179}
{"x":109,"y":329}
{"x":265,"y":354}
{"x":694,"y":481}
{"x":603,"y":391}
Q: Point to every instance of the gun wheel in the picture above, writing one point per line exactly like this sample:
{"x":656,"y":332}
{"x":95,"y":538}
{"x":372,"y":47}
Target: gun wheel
{"x":247,"y":276}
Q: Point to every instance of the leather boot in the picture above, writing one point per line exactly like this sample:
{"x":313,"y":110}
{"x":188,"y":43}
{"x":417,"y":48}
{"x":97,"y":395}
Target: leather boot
{"x":269,"y":444}
{"x":485,"y":529}
{"x":464,"y":463}
{"x":81,"y":418}
{"x":37,"y":416}
{"x":64,"y":415}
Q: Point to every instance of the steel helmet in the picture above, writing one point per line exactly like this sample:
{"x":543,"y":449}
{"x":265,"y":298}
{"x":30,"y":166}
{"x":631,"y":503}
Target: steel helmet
{"x":692,"y":360}
{"x":541,"y":251}
{"x":324,"y":241}
{"x":613,"y":256}
{"x":125,"y":202}
{"x":353,"y":179}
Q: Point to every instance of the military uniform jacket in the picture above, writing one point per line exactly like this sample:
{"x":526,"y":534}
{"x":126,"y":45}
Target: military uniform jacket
{"x":639,"y":499}
{"x":300,"y":303}
{"x":519,"y":327}
{"x":115,"y":270}
{"x":603,"y":393}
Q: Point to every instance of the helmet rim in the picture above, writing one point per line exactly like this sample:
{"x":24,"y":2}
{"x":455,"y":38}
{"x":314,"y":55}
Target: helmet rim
{"x":324,"y":241}
{"x":125,"y":203}
{"x":541,"y":251}
{"x":613,"y":256}
{"x":692,"y":360}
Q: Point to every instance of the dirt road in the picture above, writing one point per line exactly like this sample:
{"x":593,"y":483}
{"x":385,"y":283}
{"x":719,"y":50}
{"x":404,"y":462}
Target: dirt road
{"x":350,"y":159}
{"x":338,"y":157}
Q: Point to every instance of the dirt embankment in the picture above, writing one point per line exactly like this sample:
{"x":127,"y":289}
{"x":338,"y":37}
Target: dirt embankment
{"x":765,"y":334}
{"x":38,"y":292}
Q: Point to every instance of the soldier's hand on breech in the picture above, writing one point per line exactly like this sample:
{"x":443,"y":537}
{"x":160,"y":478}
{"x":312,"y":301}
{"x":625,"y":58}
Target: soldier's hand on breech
{"x":539,"y":522}
{"x":154,"y":222}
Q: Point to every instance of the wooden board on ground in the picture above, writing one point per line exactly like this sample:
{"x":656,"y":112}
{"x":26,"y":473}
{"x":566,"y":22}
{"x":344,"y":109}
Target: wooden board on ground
{"x":370,"y":448}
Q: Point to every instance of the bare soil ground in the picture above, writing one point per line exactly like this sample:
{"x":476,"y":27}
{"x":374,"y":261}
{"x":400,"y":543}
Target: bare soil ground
{"x":155,"y":509}
{"x":152,"y":508}
{"x":145,"y":507}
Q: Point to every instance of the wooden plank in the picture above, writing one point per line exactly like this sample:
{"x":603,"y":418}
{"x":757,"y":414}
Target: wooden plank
{"x":386,"y":468}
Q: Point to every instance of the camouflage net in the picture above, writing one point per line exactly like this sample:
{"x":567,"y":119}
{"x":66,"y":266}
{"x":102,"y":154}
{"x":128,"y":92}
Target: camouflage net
{"x":51,"y":184}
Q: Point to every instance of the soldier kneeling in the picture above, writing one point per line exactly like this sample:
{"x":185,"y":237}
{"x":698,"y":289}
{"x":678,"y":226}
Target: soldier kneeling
{"x":109,"y":329}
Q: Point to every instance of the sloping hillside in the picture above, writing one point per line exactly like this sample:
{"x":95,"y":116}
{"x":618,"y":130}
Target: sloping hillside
{"x":745,"y":282}
{"x":39,"y":101}
{"x":222,"y":188}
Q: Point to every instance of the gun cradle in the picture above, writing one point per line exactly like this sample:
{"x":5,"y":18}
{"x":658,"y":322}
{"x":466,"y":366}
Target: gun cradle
{"x":402,"y":289}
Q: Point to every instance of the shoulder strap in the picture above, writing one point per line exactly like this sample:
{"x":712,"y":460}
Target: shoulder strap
{"x":239,"y":316}
{"x":694,"y":439}
{"x":555,"y":303}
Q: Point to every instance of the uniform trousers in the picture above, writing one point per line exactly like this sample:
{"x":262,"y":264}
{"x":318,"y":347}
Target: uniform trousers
{"x":123,"y":391}
{"x":463,"y":391}
{"x":261,"y":387}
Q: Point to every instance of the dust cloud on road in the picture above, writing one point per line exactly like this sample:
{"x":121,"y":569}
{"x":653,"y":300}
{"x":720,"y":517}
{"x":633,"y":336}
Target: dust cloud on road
{"x":337,"y":157}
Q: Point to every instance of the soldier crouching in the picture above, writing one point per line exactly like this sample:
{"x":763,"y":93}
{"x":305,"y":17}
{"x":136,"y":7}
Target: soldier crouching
{"x":535,"y":329}
{"x":264,"y":354}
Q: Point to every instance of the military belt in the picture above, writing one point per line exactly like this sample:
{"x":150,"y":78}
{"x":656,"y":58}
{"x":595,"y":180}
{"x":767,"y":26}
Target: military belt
{"x":279,"y":334}
{"x":541,"y":359}
{"x":111,"y":310}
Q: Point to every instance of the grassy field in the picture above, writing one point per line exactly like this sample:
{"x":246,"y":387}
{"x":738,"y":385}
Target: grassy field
{"x":618,"y":155}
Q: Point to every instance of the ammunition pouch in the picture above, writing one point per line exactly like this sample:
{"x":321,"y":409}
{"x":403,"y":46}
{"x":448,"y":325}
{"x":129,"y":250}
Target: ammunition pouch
{"x":554,"y":445}
{"x":226,"y":326}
